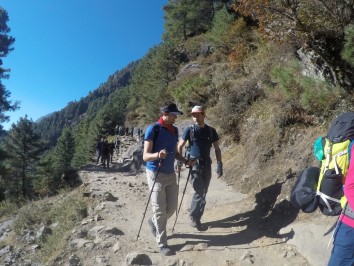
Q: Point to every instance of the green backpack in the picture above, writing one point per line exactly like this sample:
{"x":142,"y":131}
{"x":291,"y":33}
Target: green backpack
{"x":334,"y":153}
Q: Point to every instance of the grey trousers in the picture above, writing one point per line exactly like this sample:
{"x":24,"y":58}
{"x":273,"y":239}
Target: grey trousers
{"x":201,"y":175}
{"x":164,"y":202}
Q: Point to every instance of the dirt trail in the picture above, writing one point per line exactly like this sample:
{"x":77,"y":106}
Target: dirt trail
{"x":240,"y":232}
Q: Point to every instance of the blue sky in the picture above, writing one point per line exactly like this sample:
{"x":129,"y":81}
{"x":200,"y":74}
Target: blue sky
{"x":66,"y":48}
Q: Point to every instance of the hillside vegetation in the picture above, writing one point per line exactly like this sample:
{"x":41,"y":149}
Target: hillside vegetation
{"x":271,"y":74}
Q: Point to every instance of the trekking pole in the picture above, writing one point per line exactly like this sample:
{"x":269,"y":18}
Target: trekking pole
{"x":184,"y":191}
{"x":179,"y":176}
{"x":152,"y":189}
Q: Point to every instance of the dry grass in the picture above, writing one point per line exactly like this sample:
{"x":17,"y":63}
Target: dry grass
{"x":66,"y":211}
{"x":9,"y":209}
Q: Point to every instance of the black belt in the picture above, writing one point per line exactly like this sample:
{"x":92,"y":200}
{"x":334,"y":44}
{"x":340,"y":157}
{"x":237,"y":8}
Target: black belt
{"x":204,"y":160}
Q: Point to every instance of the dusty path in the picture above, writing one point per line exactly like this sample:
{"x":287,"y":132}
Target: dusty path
{"x":239,"y":233}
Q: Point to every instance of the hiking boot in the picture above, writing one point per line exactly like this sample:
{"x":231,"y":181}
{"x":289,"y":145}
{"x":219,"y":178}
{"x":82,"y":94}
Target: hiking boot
{"x":197,"y":224}
{"x":192,"y":222}
{"x":152,"y":227}
{"x":165,"y":250}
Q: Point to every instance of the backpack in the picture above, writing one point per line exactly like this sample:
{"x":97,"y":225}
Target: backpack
{"x":192,"y":138}
{"x":303,"y":194}
{"x":157,"y":131}
{"x":335,"y":164}
{"x":323,"y":187}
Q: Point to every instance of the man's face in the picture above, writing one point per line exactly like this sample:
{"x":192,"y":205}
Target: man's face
{"x":169,"y":118}
{"x":198,"y":118}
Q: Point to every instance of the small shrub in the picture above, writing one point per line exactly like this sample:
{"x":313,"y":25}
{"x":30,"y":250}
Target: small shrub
{"x":235,"y":101}
{"x":30,"y":216}
{"x":313,"y":95}
{"x":348,"y":50}
{"x":222,"y":33}
{"x":193,"y":88}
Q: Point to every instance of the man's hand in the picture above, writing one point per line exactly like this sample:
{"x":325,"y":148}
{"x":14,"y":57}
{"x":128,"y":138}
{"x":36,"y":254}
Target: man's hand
{"x":179,"y":166}
{"x":190,"y":162}
{"x":219,"y":170}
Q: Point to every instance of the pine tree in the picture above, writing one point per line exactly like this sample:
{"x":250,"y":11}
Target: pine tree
{"x":23,"y":148}
{"x":184,"y":18}
{"x":82,"y":146}
{"x":6,"y":42}
{"x":64,"y":152}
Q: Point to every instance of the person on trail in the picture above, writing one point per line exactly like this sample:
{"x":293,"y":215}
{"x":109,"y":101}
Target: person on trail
{"x":105,"y":154}
{"x":201,"y":138}
{"x":111,"y":150}
{"x":116,"y":145}
{"x":343,"y":244}
{"x":138,"y":132}
{"x":160,"y":152}
{"x":99,"y":147}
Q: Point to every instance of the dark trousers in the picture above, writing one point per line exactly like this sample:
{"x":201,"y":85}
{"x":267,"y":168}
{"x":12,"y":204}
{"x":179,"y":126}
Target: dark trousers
{"x":105,"y":160}
{"x":99,"y":156}
{"x":200,"y":178}
{"x":343,"y":249}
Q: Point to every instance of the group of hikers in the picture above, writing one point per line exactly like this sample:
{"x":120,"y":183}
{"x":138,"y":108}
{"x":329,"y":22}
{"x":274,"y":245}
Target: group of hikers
{"x":161,"y":148}
{"x":126,"y":131}
{"x":105,"y":151}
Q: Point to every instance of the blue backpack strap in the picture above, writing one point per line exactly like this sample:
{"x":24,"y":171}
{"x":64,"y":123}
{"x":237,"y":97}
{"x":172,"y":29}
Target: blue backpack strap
{"x":156,"y":131}
{"x":191,"y":134}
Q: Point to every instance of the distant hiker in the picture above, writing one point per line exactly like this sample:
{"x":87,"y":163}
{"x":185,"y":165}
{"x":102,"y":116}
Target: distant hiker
{"x":116,"y":145}
{"x":120,"y":131}
{"x":105,"y":154}
{"x":111,"y":150}
{"x":132,"y":132}
{"x":99,"y":147}
{"x":343,"y":249}
{"x":138,"y":133}
{"x":201,"y":138}
{"x":127,"y":131}
{"x":116,"y":129}
{"x":142,"y":134}
{"x":160,"y":152}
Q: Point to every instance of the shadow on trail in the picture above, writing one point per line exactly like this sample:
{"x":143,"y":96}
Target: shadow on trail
{"x":265,"y":220}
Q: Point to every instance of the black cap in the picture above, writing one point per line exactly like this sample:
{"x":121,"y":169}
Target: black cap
{"x":171,"y":108}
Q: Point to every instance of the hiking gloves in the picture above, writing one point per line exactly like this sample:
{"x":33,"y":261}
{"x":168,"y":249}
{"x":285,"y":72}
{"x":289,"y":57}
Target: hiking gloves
{"x":219,"y":170}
